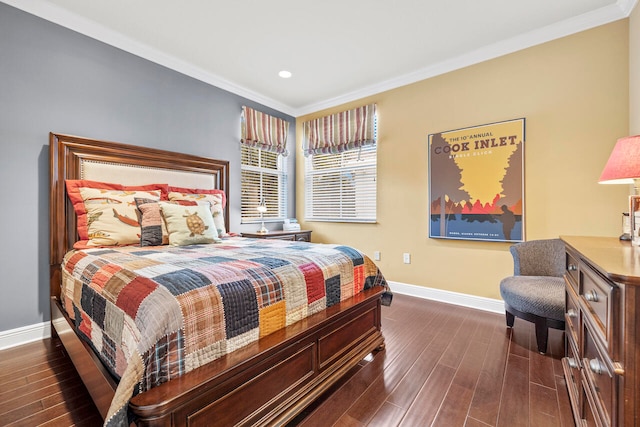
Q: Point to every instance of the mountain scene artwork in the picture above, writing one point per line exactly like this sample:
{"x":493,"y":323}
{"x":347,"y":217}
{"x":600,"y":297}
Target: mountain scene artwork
{"x":476,"y":184}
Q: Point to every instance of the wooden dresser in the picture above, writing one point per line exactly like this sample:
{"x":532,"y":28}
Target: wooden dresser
{"x":602,"y":363}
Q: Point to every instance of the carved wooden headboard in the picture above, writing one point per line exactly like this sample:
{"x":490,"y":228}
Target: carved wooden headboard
{"x":72,"y":157}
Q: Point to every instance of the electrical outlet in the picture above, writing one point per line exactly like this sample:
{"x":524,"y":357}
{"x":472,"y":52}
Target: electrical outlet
{"x":406,"y":258}
{"x":376,"y":256}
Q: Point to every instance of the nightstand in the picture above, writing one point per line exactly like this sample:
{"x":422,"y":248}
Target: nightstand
{"x":300,"y":235}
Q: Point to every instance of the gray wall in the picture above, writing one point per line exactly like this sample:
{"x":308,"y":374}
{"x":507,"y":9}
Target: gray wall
{"x":55,"y":80}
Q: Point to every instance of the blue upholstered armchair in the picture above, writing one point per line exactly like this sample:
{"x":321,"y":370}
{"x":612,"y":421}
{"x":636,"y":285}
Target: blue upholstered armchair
{"x":536,"y":290}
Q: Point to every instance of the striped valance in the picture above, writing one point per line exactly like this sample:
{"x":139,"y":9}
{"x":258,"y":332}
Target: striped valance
{"x":264,"y":131}
{"x":340,"y":132}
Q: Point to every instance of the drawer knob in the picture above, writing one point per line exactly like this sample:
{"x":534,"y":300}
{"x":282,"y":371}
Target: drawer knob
{"x":591,"y":295}
{"x":617,"y":368}
{"x":572,"y":267}
{"x":572,"y":313}
{"x":572,"y":362}
{"x":596,"y":366}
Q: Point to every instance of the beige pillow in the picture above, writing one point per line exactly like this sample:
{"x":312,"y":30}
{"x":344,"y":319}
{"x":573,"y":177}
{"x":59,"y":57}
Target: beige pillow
{"x":216,"y":201}
{"x":189,"y":225}
{"x":112,"y":216}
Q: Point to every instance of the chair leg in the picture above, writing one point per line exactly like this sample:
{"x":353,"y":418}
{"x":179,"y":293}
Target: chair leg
{"x":510,"y":319}
{"x":542,"y":334}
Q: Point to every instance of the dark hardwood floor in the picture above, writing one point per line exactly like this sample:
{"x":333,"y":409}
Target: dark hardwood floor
{"x":443,"y":365}
{"x":39,"y":386}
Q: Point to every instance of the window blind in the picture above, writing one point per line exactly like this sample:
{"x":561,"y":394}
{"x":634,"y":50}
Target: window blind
{"x":341,"y":187}
{"x":264,"y":131}
{"x":343,"y":131}
{"x":263,"y":176}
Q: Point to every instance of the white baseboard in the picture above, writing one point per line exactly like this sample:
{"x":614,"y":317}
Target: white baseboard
{"x":24,"y":335}
{"x":465,"y":300}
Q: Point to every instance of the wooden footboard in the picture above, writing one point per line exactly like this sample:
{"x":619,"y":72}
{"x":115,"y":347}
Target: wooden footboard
{"x":266,"y":383}
{"x":271,"y":381}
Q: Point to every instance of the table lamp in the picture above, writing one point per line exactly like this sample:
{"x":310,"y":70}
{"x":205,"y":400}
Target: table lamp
{"x":623,"y":167}
{"x":262,"y":208}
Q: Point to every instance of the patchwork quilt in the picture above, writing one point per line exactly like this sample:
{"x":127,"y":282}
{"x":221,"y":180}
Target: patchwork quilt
{"x":154,"y":313}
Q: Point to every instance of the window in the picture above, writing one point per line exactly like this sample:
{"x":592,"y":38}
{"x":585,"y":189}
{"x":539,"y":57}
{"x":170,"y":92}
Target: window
{"x":340,"y":168}
{"x":263,"y":147}
{"x":341,"y":187}
{"x":263,"y":176}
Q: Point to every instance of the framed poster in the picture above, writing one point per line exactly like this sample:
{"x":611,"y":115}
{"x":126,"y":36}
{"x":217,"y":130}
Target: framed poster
{"x":476,"y":183}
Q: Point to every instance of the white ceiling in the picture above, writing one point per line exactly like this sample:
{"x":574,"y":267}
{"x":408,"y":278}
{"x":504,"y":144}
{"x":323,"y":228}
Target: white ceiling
{"x":337,"y":50}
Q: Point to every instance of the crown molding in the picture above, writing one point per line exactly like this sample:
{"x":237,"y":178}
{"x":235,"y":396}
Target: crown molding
{"x":627,"y":6}
{"x":89,"y":28}
{"x":57,"y":15}
{"x":583,"y":22}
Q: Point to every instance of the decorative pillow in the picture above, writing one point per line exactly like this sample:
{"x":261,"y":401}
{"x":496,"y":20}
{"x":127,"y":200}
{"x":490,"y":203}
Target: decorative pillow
{"x":216,"y":198}
{"x":106,"y":213}
{"x":189,"y":225}
{"x":184,"y":190}
{"x":153,"y":231}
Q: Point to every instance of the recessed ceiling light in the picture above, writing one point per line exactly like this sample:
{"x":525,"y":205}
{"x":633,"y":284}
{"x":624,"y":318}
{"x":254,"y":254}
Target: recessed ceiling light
{"x":285,"y":74}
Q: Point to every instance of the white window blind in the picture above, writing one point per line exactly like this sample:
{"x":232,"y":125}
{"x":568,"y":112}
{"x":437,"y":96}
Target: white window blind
{"x":264,"y":176}
{"x":341,"y":187}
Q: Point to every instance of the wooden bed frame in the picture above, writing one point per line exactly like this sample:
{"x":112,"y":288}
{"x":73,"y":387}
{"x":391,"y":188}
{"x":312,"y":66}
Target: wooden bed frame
{"x":268,"y":382}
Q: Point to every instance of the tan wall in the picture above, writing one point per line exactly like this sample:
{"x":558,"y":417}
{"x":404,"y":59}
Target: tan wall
{"x":634,"y":72}
{"x":574,"y":94}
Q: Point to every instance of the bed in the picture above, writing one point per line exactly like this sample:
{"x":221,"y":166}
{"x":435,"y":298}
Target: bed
{"x":269,"y":374}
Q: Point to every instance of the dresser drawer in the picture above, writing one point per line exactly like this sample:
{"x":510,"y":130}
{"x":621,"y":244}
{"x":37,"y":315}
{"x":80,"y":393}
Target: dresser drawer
{"x":291,"y":237}
{"x":303,"y":237}
{"x":600,"y":377}
{"x":596,"y":295}
{"x":571,"y":265}
{"x":295,"y":236}
{"x":572,"y":316}
{"x":571,"y":369}
{"x":590,"y":417}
